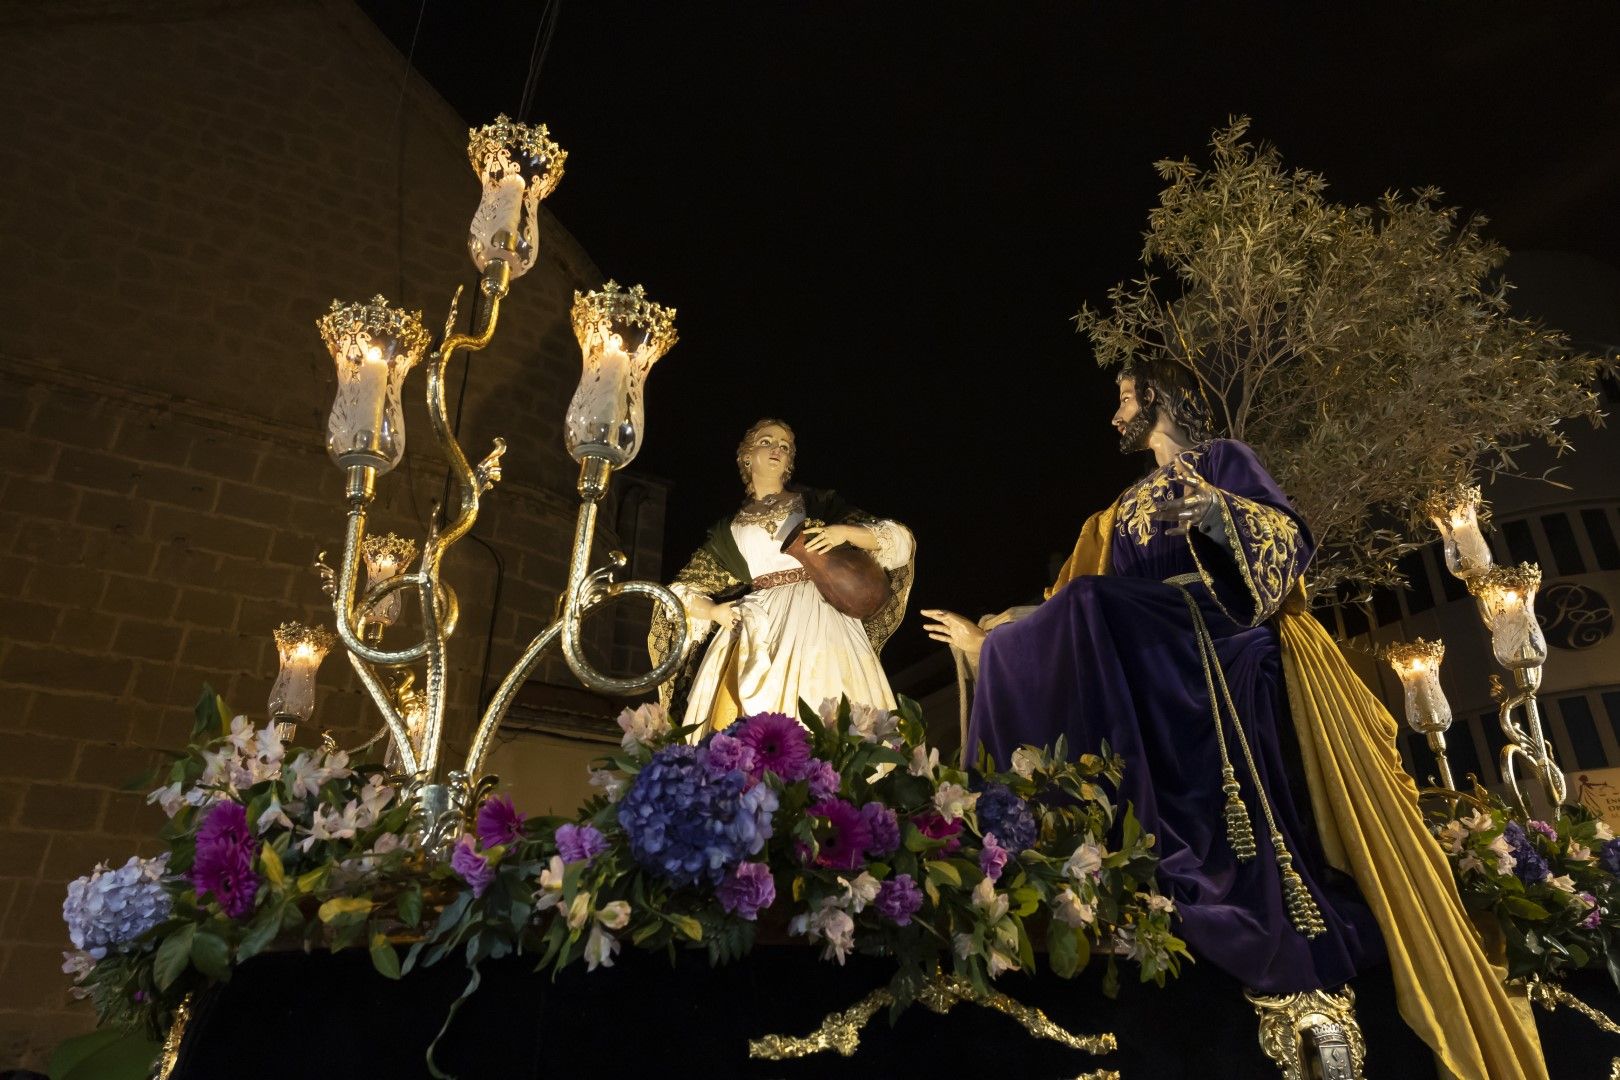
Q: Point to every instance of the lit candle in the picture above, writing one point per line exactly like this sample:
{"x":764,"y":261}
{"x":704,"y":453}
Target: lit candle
{"x":386,"y":558}
{"x":374,"y":347}
{"x":1417,"y":664}
{"x":605,"y":417}
{"x":1507,"y":602}
{"x":292,"y":696}
{"x":1455,"y":513}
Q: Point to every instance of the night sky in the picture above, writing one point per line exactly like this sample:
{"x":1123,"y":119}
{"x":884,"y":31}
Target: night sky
{"x":878,"y":220}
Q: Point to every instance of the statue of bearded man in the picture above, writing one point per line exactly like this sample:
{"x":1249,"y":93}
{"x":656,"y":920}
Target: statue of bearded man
{"x":1176,"y":632}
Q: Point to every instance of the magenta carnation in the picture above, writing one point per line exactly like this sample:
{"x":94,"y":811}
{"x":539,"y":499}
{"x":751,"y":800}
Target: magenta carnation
{"x":474,"y":869}
{"x":580,"y":843}
{"x":779,"y":744}
{"x":844,"y":841}
{"x":824,"y":779}
{"x":224,"y":862}
{"x":727,"y":753}
{"x":499,"y":822}
{"x":747,"y":890}
{"x":933,"y":825}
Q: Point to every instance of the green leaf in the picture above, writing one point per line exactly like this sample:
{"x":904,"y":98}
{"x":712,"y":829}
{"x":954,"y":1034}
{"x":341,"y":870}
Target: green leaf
{"x":409,"y":906}
{"x":943,"y":872}
{"x":1525,"y":909}
{"x":273,"y":870}
{"x":109,"y":1053}
{"x":211,"y":955}
{"x":1062,"y":953}
{"x":208,"y":719}
{"x":261,"y":932}
{"x":687,"y":926}
{"x":384,"y":957}
{"x":1026,"y":949}
{"x":173,"y":956}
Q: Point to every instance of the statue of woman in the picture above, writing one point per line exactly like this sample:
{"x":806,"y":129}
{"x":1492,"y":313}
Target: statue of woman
{"x":775,"y":639}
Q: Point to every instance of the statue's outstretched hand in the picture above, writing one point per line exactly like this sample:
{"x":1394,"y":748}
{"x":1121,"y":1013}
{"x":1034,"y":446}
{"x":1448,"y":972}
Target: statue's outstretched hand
{"x":954,"y":630}
{"x":1195,"y":503}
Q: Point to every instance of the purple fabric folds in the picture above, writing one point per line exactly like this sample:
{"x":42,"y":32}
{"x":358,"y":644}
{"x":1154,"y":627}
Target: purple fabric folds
{"x":1114,"y":658}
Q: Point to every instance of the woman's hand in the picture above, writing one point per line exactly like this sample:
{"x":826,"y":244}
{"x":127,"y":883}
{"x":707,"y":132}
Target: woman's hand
{"x":823,"y":538}
{"x":955,"y":630}
{"x":724,"y":615}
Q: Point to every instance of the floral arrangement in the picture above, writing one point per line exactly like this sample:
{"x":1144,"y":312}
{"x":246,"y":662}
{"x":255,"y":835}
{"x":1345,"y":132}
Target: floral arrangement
{"x":1550,"y":886}
{"x":841,"y":828}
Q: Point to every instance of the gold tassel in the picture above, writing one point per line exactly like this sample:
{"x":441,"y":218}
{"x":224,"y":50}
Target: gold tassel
{"x":1302,"y":909}
{"x":1239,"y":831}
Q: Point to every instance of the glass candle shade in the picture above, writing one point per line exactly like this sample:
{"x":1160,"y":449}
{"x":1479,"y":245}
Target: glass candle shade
{"x":1417,"y":665}
{"x":302,"y":648}
{"x":621,"y":335}
{"x":518,"y":166}
{"x":386,"y":557}
{"x":374,"y":347}
{"x":1455,"y":513}
{"x":413,"y":710}
{"x":1507,"y":603}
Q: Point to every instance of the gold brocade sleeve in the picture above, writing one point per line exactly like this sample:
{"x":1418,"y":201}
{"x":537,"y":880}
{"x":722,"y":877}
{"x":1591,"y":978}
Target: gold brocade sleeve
{"x":1268,"y":548}
{"x":702,"y":574}
{"x":1090,"y":551}
{"x":1366,"y":808}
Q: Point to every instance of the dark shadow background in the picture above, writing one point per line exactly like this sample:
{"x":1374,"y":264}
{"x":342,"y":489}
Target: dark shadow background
{"x":878,"y":220}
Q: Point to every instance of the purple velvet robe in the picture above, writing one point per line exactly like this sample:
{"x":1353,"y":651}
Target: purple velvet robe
{"x":1114,"y":658}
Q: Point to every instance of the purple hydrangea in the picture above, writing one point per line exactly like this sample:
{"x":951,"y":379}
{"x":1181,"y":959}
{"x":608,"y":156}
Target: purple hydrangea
{"x":1610,"y":856}
{"x":824,"y":779}
{"x":1528,"y":865}
{"x":689,"y":820}
{"x":1545,"y":830}
{"x":1009,"y":817}
{"x":884,"y":827}
{"x":499,"y":822}
{"x":726,"y":753}
{"x":224,"y":862}
{"x":109,"y":908}
{"x":747,"y":890}
{"x":898,"y":899}
{"x":474,"y":869}
{"x":992,"y":858}
{"x":778,"y":742}
{"x":580,"y":843}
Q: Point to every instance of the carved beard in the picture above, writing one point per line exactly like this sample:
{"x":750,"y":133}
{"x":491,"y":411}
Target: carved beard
{"x":1137,"y":430}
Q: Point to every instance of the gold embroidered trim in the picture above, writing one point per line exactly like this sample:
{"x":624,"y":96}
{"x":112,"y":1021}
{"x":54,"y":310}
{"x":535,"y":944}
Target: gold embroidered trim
{"x":169,"y":1056}
{"x":841,"y":1031}
{"x":1137,"y":505}
{"x":1265,"y":543}
{"x":781,"y":577}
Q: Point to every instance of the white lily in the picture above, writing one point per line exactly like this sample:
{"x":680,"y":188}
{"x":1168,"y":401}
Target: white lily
{"x":599,"y":949}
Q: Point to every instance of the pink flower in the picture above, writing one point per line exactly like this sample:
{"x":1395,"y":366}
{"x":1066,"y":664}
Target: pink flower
{"x":993,"y":859}
{"x":933,"y":825}
{"x":747,"y":890}
{"x":779,"y":744}
{"x":844,"y":841}
{"x":499,"y":822}
{"x":580,"y":843}
{"x":474,"y":869}
{"x":224,"y":862}
{"x":824,"y":779}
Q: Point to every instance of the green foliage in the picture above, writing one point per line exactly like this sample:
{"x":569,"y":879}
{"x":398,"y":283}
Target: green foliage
{"x":1367,"y":352}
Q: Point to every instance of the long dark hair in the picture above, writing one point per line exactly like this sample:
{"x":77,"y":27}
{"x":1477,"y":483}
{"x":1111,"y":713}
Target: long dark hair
{"x":1165,"y":385}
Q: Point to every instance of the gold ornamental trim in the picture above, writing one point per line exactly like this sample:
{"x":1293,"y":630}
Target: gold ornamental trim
{"x":375,"y":319}
{"x":496,"y":147}
{"x":841,"y":1031}
{"x":612,"y":304}
{"x":1297,"y":1030}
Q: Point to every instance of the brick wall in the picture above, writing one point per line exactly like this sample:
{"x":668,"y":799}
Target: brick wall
{"x":189,"y":184}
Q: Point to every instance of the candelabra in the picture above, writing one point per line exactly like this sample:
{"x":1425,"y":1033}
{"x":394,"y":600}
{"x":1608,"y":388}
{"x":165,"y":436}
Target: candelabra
{"x":1417,"y":664}
{"x":621,"y":335}
{"x":1507,"y":601}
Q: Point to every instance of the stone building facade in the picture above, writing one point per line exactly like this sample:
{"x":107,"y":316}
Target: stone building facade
{"x":188,"y":186}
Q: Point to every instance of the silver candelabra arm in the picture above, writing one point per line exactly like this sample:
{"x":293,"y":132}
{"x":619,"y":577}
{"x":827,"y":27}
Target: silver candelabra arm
{"x":586,"y":590}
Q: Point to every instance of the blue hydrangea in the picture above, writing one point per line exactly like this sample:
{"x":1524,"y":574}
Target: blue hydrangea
{"x":1528,"y":865}
{"x":690,"y":820}
{"x":1610,"y":857}
{"x":110,"y":908}
{"x":1009,"y":817}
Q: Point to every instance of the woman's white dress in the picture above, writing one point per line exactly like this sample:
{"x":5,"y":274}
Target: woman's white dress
{"x":790,"y":644}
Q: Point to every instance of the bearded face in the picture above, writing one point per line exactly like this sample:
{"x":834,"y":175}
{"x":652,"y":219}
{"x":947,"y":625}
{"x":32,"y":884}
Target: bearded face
{"x":1133,"y":420}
